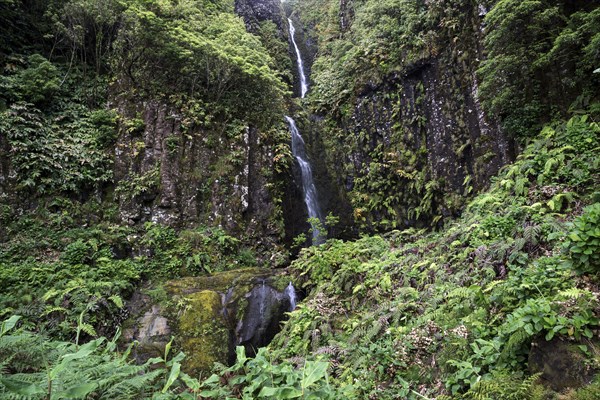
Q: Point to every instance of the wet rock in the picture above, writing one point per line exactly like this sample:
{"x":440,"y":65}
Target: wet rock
{"x":209,"y":315}
{"x":265,"y":308}
{"x":148,"y":326}
{"x":561,"y":363}
{"x":203,"y":334}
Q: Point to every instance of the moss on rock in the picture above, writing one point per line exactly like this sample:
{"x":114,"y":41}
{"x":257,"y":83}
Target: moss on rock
{"x":218,"y":282}
{"x":202,"y":332}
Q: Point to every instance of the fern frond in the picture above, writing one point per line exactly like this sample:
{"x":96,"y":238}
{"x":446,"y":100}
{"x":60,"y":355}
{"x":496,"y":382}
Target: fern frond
{"x":117,"y":300}
{"x":573,"y":293}
{"x":461,"y":293}
{"x":531,"y":233}
{"x":516,"y":339}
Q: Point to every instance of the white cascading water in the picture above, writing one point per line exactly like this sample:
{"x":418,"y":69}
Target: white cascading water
{"x":303,"y":82}
{"x":299,"y":149}
{"x":308,"y":185}
{"x":290,"y":292}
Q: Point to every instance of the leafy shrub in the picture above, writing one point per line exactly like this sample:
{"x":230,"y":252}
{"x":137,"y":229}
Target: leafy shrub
{"x":258,"y":377}
{"x":583,"y":242}
{"x":34,"y":84}
{"x":50,"y":154}
{"x":552,"y":56}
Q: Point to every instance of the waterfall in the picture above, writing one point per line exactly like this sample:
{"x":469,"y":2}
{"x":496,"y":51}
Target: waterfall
{"x":299,"y":149}
{"x":261,"y":300}
{"x":308,"y":185}
{"x":290,"y":292}
{"x":303,"y":82}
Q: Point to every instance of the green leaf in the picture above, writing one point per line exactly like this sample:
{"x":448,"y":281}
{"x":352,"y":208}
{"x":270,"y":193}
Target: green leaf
{"x":168,"y":349}
{"x":77,"y":392}
{"x":21,"y":388}
{"x":192,"y":383}
{"x":313,"y":371}
{"x":240,"y":353}
{"x":84,"y":350}
{"x":175,"y":369}
{"x":9,"y":324}
{"x":280,"y":392}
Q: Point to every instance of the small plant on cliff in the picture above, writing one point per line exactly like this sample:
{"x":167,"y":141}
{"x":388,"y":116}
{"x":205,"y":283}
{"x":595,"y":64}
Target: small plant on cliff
{"x":583,"y":242}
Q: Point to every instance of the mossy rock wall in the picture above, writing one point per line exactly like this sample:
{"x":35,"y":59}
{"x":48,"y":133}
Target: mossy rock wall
{"x":210,"y":315}
{"x":405,"y":141}
{"x":202,"y":334}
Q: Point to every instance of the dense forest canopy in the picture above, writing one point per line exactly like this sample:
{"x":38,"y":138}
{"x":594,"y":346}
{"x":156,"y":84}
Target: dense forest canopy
{"x":153,"y":222}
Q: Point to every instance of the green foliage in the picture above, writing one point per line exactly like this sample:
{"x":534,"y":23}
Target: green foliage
{"x":146,"y":183}
{"x":34,"y":367}
{"x":583,"y":241}
{"x":551,"y":57}
{"x":34,"y":84}
{"x":205,"y":54}
{"x":85,"y":30}
{"x":57,"y":154}
{"x":505,"y":386}
{"x":258,"y":377}
{"x":192,"y":252}
{"x":277,"y":48}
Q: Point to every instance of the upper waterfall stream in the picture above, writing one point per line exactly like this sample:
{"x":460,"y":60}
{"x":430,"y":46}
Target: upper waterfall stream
{"x":303,"y":81}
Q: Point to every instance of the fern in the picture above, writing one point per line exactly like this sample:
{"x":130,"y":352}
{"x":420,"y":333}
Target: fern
{"x":117,"y":300}
{"x":515,"y":340}
{"x":461,"y":293}
{"x":501,"y":386}
{"x":573,"y":293}
{"x":531,"y":233}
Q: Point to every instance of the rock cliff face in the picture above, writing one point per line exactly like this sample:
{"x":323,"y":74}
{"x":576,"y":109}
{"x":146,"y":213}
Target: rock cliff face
{"x":210,"y":316}
{"x":256,"y":11}
{"x":181,"y":177}
{"x":407,"y":148}
{"x":172,"y":172}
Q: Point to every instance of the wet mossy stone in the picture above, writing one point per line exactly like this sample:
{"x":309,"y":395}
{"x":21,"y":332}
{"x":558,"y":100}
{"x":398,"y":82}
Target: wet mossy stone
{"x":202,"y":332}
{"x":218,"y":282}
{"x":210,"y":315}
{"x":562,"y":363}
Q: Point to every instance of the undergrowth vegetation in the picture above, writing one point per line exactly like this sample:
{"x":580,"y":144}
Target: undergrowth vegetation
{"x":453,"y":314}
{"x":34,"y":367}
{"x":67,"y":279}
{"x":448,"y":312}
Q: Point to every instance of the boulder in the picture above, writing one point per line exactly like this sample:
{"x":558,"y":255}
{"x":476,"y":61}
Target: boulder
{"x":209,"y":315}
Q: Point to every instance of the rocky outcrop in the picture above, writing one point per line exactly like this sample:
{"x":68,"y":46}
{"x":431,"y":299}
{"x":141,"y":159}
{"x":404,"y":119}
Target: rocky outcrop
{"x":409,"y":147}
{"x":432,"y":115}
{"x":561,"y":363}
{"x":255,"y":11}
{"x":169,"y":173}
{"x":209,"y":316}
